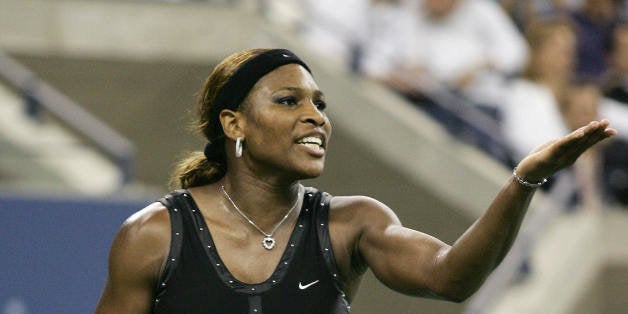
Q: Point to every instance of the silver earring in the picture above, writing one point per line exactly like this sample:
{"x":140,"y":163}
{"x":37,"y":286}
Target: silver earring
{"x":238,"y":147}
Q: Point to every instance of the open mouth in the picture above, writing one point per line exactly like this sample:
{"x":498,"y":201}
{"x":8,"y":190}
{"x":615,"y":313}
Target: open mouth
{"x":312,"y":142}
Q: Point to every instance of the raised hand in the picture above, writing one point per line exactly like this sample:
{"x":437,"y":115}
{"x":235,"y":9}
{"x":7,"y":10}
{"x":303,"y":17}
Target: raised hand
{"x":555,"y":155}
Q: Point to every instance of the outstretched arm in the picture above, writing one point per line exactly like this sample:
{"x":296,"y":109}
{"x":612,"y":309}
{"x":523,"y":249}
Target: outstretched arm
{"x":415,"y":263}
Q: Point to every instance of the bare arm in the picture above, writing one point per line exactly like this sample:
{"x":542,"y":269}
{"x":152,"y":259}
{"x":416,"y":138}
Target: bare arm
{"x":415,"y":263}
{"x":135,"y":261}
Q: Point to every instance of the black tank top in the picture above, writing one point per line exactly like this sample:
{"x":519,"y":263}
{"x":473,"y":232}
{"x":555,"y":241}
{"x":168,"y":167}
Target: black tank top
{"x":195,"y":280}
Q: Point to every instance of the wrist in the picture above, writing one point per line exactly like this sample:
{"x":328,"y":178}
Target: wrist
{"x":525,"y":183}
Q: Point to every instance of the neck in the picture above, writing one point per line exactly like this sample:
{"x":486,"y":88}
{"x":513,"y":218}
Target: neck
{"x":556,"y":85}
{"x":263,"y":201}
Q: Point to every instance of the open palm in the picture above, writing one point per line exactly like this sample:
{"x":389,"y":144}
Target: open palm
{"x":557,"y":154}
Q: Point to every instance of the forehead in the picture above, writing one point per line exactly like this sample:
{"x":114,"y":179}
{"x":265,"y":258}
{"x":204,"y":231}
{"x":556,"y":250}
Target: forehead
{"x":289,"y":75}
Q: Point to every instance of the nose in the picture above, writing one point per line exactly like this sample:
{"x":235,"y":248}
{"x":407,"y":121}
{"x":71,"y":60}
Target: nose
{"x":313,"y":115}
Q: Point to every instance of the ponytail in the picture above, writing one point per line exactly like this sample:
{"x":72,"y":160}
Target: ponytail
{"x":196,"y":170}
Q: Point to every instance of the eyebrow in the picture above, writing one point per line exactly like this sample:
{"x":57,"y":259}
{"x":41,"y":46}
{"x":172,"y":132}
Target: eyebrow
{"x":317,"y":93}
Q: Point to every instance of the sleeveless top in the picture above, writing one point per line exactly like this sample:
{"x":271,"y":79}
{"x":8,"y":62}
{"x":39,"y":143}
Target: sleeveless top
{"x":195,"y":280}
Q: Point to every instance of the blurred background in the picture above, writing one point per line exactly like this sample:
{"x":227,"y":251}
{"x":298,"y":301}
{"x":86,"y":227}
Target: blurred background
{"x":432,"y":102}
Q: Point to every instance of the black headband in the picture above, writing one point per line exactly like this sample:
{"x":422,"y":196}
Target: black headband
{"x":239,"y":85}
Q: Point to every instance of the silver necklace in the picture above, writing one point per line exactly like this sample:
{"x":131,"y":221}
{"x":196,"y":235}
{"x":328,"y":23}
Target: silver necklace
{"x":269,"y":241}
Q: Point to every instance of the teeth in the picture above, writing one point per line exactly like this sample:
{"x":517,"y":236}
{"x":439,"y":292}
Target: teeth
{"x":311,"y":140}
{"x":311,"y":145}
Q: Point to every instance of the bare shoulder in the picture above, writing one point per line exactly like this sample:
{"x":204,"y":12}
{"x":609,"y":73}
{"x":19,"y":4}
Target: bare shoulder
{"x":350,"y":218}
{"x":361,"y":210}
{"x":150,"y":223}
{"x":143,"y":238}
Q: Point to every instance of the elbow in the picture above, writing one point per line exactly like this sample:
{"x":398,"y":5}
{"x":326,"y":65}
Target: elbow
{"x":458,"y":284}
{"x":458,"y":291}
{"x":456,"y":296}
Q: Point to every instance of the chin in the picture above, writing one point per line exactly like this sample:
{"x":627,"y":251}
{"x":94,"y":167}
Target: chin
{"x":312,"y":172}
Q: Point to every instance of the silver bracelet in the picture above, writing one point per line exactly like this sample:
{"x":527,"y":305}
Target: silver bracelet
{"x":526,"y":183}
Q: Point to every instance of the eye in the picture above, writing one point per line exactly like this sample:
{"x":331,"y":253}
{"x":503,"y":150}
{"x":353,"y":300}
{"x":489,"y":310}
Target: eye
{"x":320,"y":104}
{"x":288,"y":101}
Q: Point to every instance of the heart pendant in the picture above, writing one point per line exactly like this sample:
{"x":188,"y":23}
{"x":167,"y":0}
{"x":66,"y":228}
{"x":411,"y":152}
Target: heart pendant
{"x":268,"y":243}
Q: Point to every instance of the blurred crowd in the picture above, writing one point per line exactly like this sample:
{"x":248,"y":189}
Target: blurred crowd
{"x":505,"y":75}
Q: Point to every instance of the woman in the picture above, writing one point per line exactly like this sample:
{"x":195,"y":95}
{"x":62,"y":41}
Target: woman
{"x":245,"y":237}
{"x":536,"y":94}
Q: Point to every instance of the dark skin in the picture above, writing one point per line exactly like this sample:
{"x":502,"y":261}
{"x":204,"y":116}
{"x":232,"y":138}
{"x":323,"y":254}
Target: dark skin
{"x":283,"y":107}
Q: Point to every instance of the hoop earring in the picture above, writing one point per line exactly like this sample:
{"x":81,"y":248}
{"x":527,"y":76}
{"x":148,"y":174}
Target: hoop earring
{"x":238,"y":147}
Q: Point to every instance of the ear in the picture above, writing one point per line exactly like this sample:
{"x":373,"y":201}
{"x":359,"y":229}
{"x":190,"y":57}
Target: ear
{"x":232,"y":123}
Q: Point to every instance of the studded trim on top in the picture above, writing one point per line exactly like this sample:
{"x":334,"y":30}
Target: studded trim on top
{"x":171,"y":202}
{"x":322,"y":230}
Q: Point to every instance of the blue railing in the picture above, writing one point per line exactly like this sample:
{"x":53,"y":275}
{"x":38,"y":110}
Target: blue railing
{"x":40,"y":96}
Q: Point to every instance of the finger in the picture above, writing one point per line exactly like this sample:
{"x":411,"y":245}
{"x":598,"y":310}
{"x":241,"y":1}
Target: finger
{"x":592,"y":132}
{"x":602,"y":131}
{"x":594,"y":127}
{"x":590,"y":135}
{"x":607,"y":131}
{"x":578,"y":141}
{"x":610,"y":132}
{"x":605,"y":122}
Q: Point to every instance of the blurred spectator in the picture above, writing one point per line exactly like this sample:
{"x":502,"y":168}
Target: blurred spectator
{"x":529,"y":12}
{"x":601,"y":173}
{"x":532,"y":114}
{"x":445,"y":55}
{"x":388,"y":46}
{"x":334,"y":28}
{"x":450,"y":57}
{"x":616,"y":85}
{"x":595,"y":21}
{"x":579,"y":106}
{"x":545,"y":103}
{"x":468,"y":46}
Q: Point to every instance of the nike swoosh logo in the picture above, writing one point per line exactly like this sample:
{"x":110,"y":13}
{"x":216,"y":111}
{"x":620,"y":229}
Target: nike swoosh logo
{"x":303,"y":287}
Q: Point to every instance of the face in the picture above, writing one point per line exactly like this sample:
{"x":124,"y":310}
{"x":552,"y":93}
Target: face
{"x":600,"y":9}
{"x":285,"y":127}
{"x":619,"y":55}
{"x":439,"y":8}
{"x":556,"y":56}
